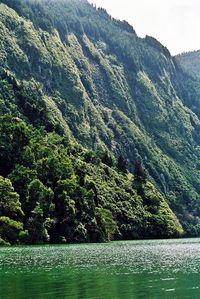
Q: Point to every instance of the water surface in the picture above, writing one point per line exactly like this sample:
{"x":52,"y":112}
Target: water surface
{"x":132,"y":269}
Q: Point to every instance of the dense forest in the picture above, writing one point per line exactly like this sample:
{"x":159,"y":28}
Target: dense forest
{"x":99,"y":129}
{"x":190,"y":63}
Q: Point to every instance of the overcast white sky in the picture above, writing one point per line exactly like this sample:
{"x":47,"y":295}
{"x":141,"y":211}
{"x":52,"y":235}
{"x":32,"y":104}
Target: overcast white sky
{"x":175,"y":23}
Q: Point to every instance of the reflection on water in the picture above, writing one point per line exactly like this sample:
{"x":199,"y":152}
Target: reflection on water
{"x":132,"y":269}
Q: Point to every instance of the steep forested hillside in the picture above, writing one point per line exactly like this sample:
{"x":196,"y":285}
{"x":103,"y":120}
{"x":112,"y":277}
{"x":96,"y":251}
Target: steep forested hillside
{"x":99,"y":128}
{"x":190,"y":62}
{"x":189,"y":80}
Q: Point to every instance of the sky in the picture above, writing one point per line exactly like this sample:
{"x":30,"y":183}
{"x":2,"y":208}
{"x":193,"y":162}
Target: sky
{"x":175,"y":23}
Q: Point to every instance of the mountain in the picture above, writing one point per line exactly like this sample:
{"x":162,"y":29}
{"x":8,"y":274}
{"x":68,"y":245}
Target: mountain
{"x":190,"y":63}
{"x":190,"y":79}
{"x":100,"y":129}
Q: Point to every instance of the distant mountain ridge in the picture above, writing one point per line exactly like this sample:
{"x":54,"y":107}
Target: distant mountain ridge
{"x":190,"y":62}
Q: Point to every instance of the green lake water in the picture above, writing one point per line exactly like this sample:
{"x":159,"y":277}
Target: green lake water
{"x":132,"y":269}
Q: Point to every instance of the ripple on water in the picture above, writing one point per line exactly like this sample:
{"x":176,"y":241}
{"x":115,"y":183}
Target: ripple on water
{"x":138,"y":256}
{"x":149,"y":269}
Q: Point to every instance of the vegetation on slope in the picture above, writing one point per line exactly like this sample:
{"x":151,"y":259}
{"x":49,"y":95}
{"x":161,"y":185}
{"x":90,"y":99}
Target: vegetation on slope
{"x":71,"y":72}
{"x":54,"y":190}
{"x":190,"y":62}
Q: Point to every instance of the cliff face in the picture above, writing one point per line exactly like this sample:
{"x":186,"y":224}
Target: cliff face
{"x":71,"y":69}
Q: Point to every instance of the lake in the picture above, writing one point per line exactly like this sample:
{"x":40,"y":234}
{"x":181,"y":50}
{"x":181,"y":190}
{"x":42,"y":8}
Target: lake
{"x":130,"y":269}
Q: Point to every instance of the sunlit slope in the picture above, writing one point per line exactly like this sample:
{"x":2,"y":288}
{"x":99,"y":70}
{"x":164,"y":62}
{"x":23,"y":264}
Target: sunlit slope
{"x":96,"y":82}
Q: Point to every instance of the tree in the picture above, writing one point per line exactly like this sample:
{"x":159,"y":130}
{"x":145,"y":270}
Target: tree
{"x":21,"y":177}
{"x":36,"y":226}
{"x":9,"y":200}
{"x":107,"y":224}
{"x":14,"y":136}
{"x":139,"y":172}
{"x":122,"y":164}
{"x":54,"y":168}
{"x":107,"y":159}
{"x":10,"y":230}
{"x":40,"y":194}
